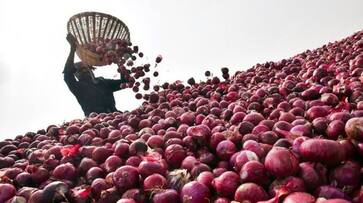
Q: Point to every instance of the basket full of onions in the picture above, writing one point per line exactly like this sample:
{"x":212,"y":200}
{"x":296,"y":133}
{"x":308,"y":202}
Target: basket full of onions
{"x":100,"y":37}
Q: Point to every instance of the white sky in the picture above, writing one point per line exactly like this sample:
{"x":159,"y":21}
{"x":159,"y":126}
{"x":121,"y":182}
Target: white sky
{"x":192,"y":36}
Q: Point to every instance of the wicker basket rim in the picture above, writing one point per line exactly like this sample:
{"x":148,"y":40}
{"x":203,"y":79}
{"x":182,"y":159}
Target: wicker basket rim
{"x":89,"y":13}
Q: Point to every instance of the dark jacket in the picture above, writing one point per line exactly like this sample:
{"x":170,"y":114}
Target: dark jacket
{"x":93,"y":97}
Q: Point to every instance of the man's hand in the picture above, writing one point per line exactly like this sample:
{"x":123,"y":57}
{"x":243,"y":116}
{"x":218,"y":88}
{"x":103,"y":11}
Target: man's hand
{"x":72,"y":41}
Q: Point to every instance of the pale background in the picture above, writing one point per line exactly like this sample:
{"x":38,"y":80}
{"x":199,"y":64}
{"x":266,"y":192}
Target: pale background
{"x":192,"y":36}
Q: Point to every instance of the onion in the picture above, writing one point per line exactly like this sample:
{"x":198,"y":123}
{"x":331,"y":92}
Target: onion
{"x":313,"y":174}
{"x":330,"y":192}
{"x":225,"y":149}
{"x":254,"y":118}
{"x":320,"y":150}
{"x":286,"y":185}
{"x":7,"y":191}
{"x":195,"y":192}
{"x":335,"y":129}
{"x":316,"y":112}
{"x":166,"y":196}
{"x":189,"y":162}
{"x":175,"y":154}
{"x":268,"y":137}
{"x":125,"y":177}
{"x":254,"y":172}
{"x":299,"y":197}
{"x":154,"y":181}
{"x":226,"y":184}
{"x":255,"y":147}
{"x":301,"y":130}
{"x":354,"y":128}
{"x":320,"y":124}
{"x":221,"y":200}
{"x":206,"y":178}
{"x":250,"y":192}
{"x":346,"y":176}
{"x":336,"y":200}
{"x":281,"y":162}
{"x":245,"y":127}
{"x":329,"y":99}
{"x":243,"y":157}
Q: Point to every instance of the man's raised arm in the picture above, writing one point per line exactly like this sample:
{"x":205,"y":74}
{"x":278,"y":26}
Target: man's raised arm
{"x":69,"y":68}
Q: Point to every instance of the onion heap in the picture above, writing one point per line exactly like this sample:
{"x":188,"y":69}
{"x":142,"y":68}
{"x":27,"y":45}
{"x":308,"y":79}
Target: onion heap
{"x":287,"y":131}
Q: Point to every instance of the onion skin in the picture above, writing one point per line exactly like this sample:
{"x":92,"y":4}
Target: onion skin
{"x":125,"y":177}
{"x":335,"y":200}
{"x":226,"y":184}
{"x":286,"y":185}
{"x":206,"y":178}
{"x":313,"y":174}
{"x":298,"y":197}
{"x":166,"y":196}
{"x":194,"y":192}
{"x":250,"y":192}
{"x":330,"y":192}
{"x":346,"y":176}
{"x":255,"y":172}
{"x":7,"y":191}
{"x":281,"y":162}
{"x":320,"y":150}
{"x":354,"y":128}
{"x":225,"y":149}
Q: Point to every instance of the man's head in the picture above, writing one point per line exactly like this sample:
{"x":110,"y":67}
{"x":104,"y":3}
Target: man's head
{"x":84,"y":72}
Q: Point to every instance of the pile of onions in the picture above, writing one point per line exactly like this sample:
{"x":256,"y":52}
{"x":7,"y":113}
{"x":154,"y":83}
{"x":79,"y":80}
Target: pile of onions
{"x":286,"y":131}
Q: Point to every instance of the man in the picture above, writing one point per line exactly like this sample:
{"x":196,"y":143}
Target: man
{"x":93,"y":94}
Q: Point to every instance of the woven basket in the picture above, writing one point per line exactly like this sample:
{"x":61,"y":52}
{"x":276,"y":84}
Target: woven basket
{"x":89,"y":27}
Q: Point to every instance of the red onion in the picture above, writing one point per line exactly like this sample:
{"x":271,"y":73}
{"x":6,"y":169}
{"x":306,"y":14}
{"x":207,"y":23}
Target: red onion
{"x":354,"y":128}
{"x":329,"y":99}
{"x":320,"y":150}
{"x":346,"y":176}
{"x":297,"y":197}
{"x":335,"y":129}
{"x":281,"y":162}
{"x":301,"y":130}
{"x":154,"y":181}
{"x":166,"y":196}
{"x":245,"y":127}
{"x":316,"y":112}
{"x":226,"y":184}
{"x":268,"y":137}
{"x":243,"y":157}
{"x":7,"y":191}
{"x":330,"y":192}
{"x":194,"y":192}
{"x":237,"y":118}
{"x":336,"y":200}
{"x":255,"y":172}
{"x":250,"y":192}
{"x":216,"y":139}
{"x":286,"y":185}
{"x":225,"y":149}
{"x":175,"y":154}
{"x":313,"y":174}
{"x":320,"y":124}
{"x":125,"y":177}
{"x":206,"y":178}
{"x":254,"y":118}
{"x":221,"y":200}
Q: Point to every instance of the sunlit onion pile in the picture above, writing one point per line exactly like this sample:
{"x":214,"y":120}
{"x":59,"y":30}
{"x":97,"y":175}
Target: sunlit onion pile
{"x":287,"y":131}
